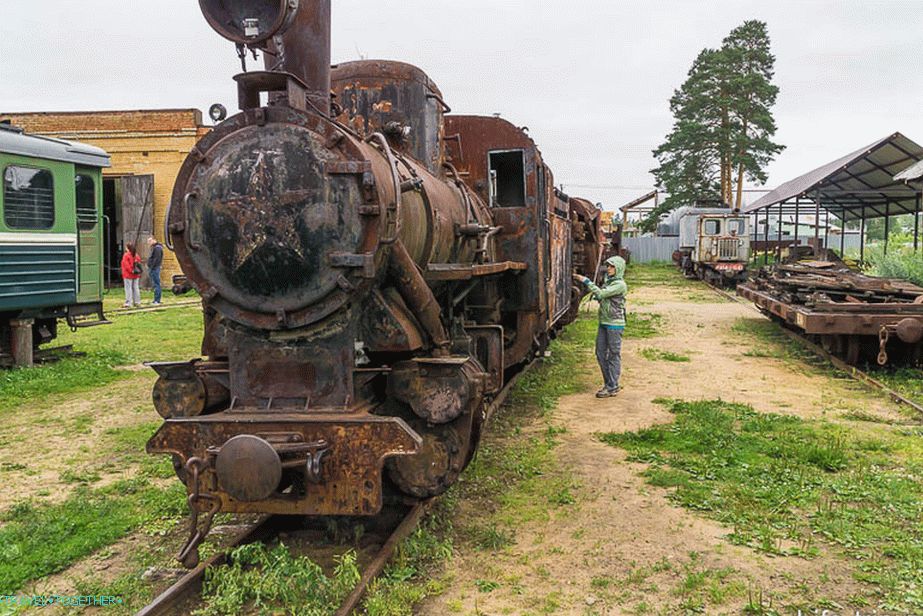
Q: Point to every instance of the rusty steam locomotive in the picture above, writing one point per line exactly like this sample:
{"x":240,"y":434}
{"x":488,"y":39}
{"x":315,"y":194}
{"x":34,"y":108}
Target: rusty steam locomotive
{"x":372,"y":273}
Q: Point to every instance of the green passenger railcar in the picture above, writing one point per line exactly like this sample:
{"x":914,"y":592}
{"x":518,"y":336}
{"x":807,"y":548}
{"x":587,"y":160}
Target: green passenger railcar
{"x":51,"y":240}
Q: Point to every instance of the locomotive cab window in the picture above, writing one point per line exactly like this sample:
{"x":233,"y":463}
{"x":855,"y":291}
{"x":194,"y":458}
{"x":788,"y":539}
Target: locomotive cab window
{"x":508,"y":179}
{"x":712,"y":227}
{"x":28,"y":198}
{"x":86,"y":202}
{"x":736,"y":226}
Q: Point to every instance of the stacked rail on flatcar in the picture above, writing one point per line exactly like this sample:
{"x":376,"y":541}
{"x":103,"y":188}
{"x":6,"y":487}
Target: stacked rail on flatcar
{"x":856,"y":317}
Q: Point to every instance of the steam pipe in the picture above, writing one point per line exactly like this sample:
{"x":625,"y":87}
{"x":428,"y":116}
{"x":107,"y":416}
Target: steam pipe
{"x":304,"y":51}
{"x":419,"y":297}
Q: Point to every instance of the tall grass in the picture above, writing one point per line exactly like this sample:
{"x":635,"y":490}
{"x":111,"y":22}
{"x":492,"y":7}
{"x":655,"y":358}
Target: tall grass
{"x":900,"y":262}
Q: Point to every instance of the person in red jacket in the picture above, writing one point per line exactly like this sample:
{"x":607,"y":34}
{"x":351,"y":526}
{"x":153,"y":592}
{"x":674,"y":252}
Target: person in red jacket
{"x":131,"y":275}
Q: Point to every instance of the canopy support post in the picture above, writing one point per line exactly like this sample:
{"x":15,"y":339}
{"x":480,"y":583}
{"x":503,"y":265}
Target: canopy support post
{"x":862,"y":238}
{"x":766,"y":239}
{"x":826,"y":229}
{"x":916,"y":224}
{"x":779,"y":240}
{"x":817,"y":222}
{"x":887,"y":228}
{"x":797,"y":219}
{"x":843,"y":234}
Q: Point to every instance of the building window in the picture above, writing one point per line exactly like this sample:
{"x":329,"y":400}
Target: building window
{"x":28,"y":198}
{"x":87,"y":216}
{"x":508,"y":178}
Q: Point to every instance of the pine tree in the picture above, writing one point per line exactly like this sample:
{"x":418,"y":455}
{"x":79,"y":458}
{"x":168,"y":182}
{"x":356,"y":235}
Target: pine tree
{"x":723,"y":124}
{"x":750,"y":69}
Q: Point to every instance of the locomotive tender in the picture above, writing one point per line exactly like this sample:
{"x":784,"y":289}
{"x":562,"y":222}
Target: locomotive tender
{"x":51,"y":249}
{"x":372,"y":273}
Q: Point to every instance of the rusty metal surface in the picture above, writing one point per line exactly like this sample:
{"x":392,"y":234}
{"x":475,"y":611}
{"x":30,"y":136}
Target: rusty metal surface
{"x":439,"y":390}
{"x":394,"y":98}
{"x":350,"y":474}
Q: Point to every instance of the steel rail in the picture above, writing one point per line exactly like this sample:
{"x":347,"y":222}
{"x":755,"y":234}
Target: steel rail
{"x":407,"y":526}
{"x":839,"y":364}
{"x":128,"y":311}
{"x":191,"y":583}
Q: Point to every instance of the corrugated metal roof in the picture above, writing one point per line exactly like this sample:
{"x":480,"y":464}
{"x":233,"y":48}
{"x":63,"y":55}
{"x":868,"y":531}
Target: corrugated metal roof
{"x":864,"y":178}
{"x":14,"y":141}
{"x":912,"y":174}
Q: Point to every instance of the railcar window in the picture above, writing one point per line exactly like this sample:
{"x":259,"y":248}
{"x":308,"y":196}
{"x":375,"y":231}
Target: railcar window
{"x":712,"y":227}
{"x":736,"y":227}
{"x":509,"y":169}
{"x":28,"y":198}
{"x":86,"y":202}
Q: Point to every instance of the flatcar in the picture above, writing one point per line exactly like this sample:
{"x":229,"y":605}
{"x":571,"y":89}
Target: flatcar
{"x":51,"y":256}
{"x":368,"y":289}
{"x":714,"y":245}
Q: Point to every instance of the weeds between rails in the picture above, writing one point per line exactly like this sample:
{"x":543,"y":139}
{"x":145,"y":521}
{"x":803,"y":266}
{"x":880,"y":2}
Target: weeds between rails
{"x":327,"y":590}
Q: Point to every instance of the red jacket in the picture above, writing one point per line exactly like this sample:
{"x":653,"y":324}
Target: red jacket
{"x":128,"y":266}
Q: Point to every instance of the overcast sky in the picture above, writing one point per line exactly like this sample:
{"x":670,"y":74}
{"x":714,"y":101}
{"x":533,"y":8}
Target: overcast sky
{"x":590,"y":78}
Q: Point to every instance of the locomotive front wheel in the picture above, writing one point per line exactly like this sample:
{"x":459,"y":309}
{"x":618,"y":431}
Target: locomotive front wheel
{"x":441,"y":459}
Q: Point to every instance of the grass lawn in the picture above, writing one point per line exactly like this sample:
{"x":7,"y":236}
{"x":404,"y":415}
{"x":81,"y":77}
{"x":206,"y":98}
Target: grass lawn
{"x":792,"y":487}
{"x":169,"y":335}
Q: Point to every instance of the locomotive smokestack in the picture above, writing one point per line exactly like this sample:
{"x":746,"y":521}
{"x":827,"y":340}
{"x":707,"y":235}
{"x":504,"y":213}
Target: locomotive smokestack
{"x":304,"y":51}
{"x":294,"y":35}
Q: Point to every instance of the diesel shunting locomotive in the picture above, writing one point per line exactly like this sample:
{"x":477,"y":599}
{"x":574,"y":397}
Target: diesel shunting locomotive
{"x":372,"y":273}
{"x":714,"y":244}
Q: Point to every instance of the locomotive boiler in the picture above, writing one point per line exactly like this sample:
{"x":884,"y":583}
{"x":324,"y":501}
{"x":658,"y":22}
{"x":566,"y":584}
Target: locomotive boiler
{"x":362,"y":303}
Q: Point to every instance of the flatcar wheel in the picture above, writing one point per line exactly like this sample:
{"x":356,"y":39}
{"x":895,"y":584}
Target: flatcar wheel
{"x":440,"y":461}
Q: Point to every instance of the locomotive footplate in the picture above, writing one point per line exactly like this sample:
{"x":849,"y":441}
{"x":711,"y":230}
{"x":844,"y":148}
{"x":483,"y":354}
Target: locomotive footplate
{"x":291,"y":464}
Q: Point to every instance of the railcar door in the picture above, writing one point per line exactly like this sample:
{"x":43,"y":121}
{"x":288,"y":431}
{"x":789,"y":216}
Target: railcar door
{"x":561,"y":262}
{"x":88,"y":202}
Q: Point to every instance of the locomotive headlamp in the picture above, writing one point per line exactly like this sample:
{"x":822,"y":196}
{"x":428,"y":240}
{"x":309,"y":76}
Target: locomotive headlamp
{"x":218,"y":113}
{"x":249,"y":22}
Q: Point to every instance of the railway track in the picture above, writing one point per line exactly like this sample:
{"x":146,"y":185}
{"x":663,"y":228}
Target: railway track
{"x":183,"y":594}
{"x":161,"y":308}
{"x":839,"y":364}
{"x":184,"y":590}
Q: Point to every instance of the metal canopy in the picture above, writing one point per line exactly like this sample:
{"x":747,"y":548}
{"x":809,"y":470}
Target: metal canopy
{"x":858,"y":185}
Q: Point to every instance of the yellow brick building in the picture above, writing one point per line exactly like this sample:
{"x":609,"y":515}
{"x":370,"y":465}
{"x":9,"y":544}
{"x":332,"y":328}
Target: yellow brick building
{"x":147,"y":150}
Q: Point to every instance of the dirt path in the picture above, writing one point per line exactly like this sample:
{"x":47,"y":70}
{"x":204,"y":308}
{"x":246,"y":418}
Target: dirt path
{"x":48,"y":448}
{"x":623,"y":548}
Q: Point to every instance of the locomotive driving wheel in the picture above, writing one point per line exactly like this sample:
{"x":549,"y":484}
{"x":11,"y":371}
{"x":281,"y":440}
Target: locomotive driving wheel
{"x":445,"y":453}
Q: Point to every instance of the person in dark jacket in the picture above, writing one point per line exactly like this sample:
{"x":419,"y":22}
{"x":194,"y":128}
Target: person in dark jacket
{"x":611,"y":298}
{"x":154,"y":266}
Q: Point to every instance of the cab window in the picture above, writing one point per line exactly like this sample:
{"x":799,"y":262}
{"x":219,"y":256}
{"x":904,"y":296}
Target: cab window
{"x":736,"y":226}
{"x":507,"y":178}
{"x":86,"y":202}
{"x":28,"y":198}
{"x":712,"y":227}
